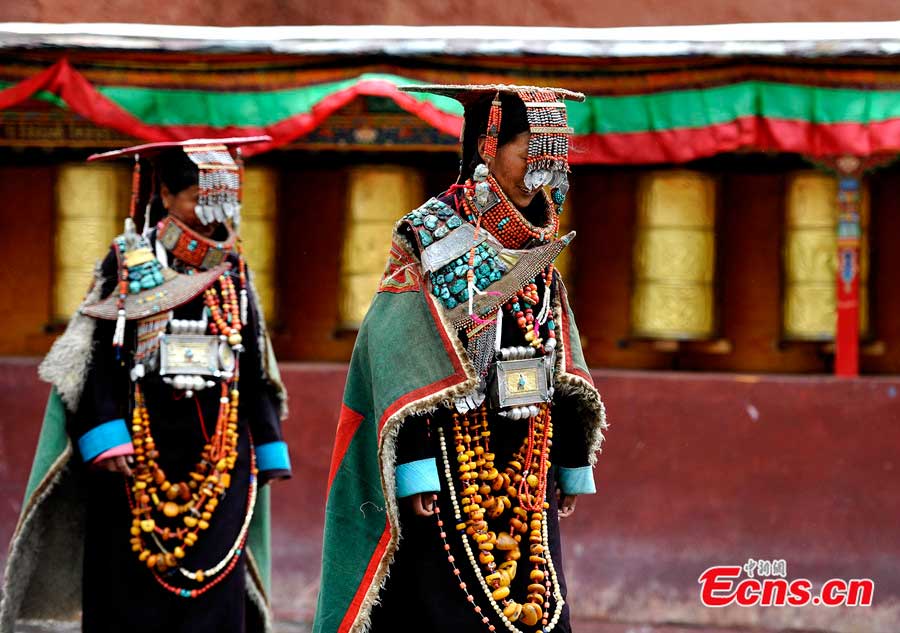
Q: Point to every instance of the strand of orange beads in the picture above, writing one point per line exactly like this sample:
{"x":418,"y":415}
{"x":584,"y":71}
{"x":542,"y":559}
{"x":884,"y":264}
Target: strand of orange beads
{"x":230,"y":325}
{"x":152,"y":490}
{"x":533,"y":486}
{"x":532,"y":498}
{"x":443,"y":534}
{"x":230,"y":560}
{"x":520,"y":308}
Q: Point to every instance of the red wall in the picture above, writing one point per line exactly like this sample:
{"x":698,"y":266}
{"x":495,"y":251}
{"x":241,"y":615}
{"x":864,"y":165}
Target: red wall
{"x":531,"y":13}
{"x":698,"y":470}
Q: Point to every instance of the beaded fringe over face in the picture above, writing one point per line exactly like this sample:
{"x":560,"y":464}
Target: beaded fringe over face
{"x":219,"y":183}
{"x":548,"y":148}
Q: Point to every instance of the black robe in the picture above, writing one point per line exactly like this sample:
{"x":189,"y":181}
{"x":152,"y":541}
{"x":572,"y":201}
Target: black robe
{"x":119,"y":592}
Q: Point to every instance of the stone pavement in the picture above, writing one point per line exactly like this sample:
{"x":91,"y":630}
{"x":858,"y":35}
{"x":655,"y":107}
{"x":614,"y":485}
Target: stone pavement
{"x":583,"y":627}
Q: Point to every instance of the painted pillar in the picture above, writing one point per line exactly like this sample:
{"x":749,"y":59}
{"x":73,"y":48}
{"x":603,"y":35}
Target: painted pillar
{"x":849,"y":234}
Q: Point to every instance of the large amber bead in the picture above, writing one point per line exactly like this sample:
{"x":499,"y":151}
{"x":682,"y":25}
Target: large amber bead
{"x":531,"y":613}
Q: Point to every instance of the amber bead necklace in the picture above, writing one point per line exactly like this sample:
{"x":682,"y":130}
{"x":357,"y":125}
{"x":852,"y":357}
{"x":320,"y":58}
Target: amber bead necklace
{"x":188,"y":506}
{"x":496,"y":580}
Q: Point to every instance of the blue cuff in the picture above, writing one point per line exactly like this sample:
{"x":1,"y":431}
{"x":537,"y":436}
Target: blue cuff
{"x":102,"y":438}
{"x":577,"y":481}
{"x":273,"y":456}
{"x":416,"y":477}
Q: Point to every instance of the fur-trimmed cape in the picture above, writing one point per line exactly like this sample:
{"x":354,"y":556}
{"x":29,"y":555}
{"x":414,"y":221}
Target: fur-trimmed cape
{"x":407,"y":360}
{"x":44,"y":564}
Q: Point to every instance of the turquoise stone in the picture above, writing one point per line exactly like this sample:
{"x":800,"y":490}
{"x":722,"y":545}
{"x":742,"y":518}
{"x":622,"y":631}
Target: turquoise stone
{"x":454,"y":222}
{"x":431,"y":222}
{"x":158,"y":278}
{"x":484,"y":269}
{"x":451,"y":303}
{"x":551,"y":325}
{"x":461,"y":270}
{"x":458,"y":286}
{"x":426,"y":238}
{"x":416,"y":220}
{"x":436,"y":291}
{"x":448,"y":277}
{"x":134,"y":287}
{"x":440,"y":279}
{"x":445,"y":293}
{"x":148,"y":282}
{"x":477,"y":261}
{"x":496,"y":275}
{"x":441,"y":232}
{"x":483,"y":283}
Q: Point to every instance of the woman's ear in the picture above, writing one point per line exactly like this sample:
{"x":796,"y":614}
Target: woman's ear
{"x":166,"y":196}
{"x":481,"y":141}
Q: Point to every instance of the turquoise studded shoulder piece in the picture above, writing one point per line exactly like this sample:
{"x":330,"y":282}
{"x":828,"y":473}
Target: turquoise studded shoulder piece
{"x":445,"y":242}
{"x":433,"y":221}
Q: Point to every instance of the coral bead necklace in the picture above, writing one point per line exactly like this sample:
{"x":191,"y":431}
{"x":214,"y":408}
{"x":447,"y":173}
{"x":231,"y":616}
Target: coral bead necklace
{"x":505,"y":222}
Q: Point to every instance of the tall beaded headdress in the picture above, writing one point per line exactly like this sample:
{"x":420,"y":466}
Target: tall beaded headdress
{"x":141,"y":272}
{"x":219,"y":178}
{"x":548,"y":148}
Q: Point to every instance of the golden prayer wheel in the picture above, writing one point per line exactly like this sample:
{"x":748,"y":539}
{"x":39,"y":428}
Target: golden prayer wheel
{"x":91,"y":203}
{"x":810,"y":258}
{"x":259,"y":224}
{"x":674,"y":257}
{"x":378,"y":197}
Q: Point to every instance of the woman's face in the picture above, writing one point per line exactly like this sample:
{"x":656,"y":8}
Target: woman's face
{"x":509,"y":168}
{"x":181,"y":207}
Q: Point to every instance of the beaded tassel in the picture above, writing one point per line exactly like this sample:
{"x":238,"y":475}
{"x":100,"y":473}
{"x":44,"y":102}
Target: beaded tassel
{"x":135,"y":186}
{"x":493,"y":128}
